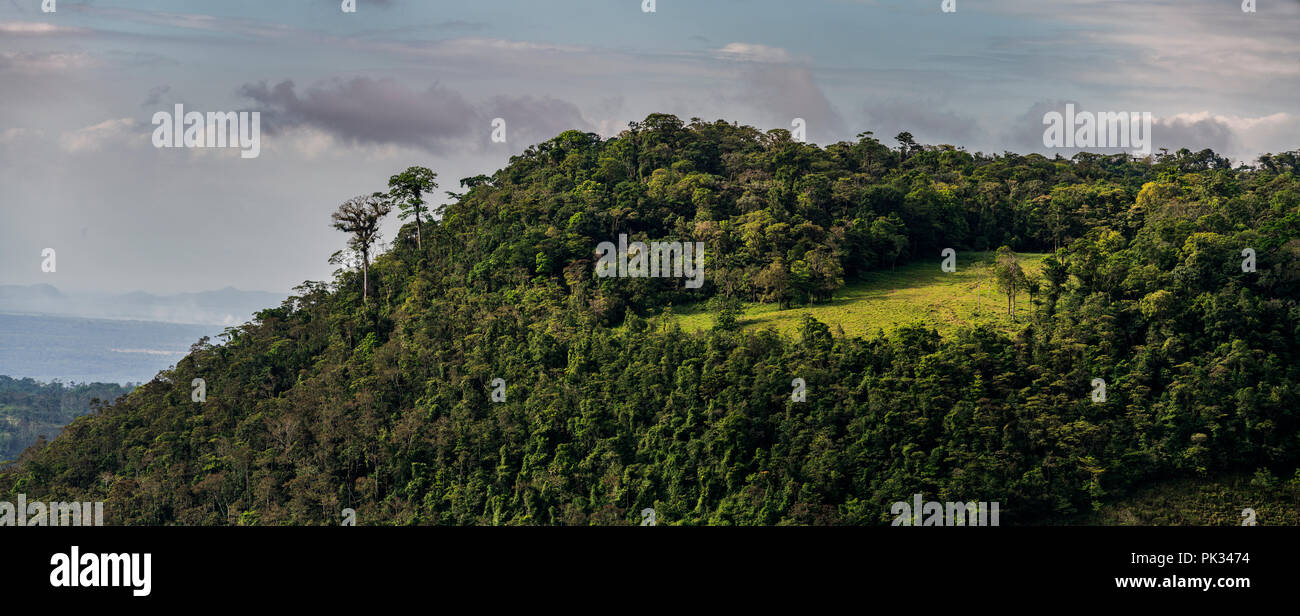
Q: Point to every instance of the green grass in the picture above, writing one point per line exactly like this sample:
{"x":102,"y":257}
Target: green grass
{"x":915,"y":293}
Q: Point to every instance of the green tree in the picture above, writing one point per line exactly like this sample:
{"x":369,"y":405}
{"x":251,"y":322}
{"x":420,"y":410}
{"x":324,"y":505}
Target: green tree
{"x":1009,"y":276}
{"x":407,"y":190}
{"x":889,"y":235}
{"x":727,"y":312}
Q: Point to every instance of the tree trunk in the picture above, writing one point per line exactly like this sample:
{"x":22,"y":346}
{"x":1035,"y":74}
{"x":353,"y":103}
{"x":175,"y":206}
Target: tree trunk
{"x":365,"y":276}
{"x":419,"y":243}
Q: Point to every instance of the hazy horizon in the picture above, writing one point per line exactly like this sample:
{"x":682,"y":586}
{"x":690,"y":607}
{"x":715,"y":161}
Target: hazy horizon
{"x":227,"y":306}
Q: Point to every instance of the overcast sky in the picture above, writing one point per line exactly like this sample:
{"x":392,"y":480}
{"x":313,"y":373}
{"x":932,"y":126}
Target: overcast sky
{"x":349,"y":99}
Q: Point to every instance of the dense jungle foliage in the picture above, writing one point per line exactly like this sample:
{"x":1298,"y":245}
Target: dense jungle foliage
{"x":381,"y":398}
{"x":30,"y":411}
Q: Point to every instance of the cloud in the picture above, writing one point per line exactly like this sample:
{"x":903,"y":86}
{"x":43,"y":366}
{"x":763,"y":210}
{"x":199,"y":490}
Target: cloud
{"x":1238,"y":137}
{"x":780,"y":90}
{"x":1177,"y":46}
{"x":476,"y":51}
{"x":155,"y":95}
{"x":1195,"y":132}
{"x":11,"y":135}
{"x":1025,"y":133}
{"x":238,"y":26}
{"x":752,"y":52}
{"x":437,"y":119}
{"x":361,"y":4}
{"x":44,"y":62}
{"x":534,"y":119}
{"x":36,"y":28}
{"x":367,"y":111}
{"x":460,"y":24}
{"x":93,"y":138}
{"x":923,"y":119}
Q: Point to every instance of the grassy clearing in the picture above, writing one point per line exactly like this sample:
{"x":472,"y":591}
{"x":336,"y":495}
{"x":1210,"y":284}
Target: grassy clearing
{"x":914,"y":293}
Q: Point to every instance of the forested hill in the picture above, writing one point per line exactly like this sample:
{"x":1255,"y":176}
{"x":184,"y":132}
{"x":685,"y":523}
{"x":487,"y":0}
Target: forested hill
{"x":379,"y":395}
{"x":30,"y":411}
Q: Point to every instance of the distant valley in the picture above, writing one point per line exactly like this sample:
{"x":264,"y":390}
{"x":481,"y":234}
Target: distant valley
{"x":80,"y":350}
{"x":48,"y":334}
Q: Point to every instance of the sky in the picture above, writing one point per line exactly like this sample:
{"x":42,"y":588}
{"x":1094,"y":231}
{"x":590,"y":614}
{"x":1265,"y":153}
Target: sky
{"x":348,"y":99}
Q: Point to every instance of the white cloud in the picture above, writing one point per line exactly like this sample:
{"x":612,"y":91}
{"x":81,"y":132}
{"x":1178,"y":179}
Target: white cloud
{"x":35,"y":28}
{"x":1235,"y":122}
{"x":92,"y":138}
{"x":752,"y":52}
{"x":10,"y":135}
{"x":1244,"y":137}
{"x":1241,"y":138}
{"x":478,"y":45}
{"x":44,"y":62}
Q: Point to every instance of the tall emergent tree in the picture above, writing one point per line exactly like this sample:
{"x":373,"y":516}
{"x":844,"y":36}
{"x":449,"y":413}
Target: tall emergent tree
{"x":1010,"y":277}
{"x":407,"y":190}
{"x":360,"y":216}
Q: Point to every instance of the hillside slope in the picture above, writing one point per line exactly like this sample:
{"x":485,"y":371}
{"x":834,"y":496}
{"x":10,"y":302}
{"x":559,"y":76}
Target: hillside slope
{"x":388,"y":401}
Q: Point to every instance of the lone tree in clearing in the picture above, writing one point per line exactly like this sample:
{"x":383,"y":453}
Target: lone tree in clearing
{"x":360,"y":216}
{"x":1010,"y":278}
{"x":407,"y":190}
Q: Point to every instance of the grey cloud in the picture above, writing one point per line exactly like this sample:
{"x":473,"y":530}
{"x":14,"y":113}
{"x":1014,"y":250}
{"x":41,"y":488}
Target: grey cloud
{"x":460,"y":25}
{"x":42,"y":63}
{"x":367,"y":111}
{"x":38,"y":29}
{"x":920,"y":118}
{"x":384,"y":111}
{"x":383,"y":4}
{"x":155,"y":95}
{"x":1195,"y":135}
{"x":781,"y":92}
{"x":531,"y":120}
{"x":1025,"y":134}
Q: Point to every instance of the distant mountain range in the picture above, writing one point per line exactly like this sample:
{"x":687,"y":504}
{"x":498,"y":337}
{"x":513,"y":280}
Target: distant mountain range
{"x":228,"y":306}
